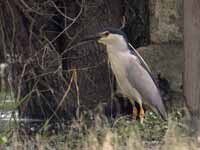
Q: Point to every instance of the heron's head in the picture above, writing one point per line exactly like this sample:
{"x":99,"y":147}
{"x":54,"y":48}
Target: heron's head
{"x":110,"y":37}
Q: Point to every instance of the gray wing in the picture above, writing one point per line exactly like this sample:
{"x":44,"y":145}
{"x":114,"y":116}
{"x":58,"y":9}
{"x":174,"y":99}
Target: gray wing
{"x":142,"y":62}
{"x":141,"y":80}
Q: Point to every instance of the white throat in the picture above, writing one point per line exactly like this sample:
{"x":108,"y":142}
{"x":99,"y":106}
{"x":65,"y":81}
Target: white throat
{"x":117,"y":55}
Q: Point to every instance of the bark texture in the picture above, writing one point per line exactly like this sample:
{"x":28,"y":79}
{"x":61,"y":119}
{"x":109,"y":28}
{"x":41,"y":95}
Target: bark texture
{"x":192,"y":61}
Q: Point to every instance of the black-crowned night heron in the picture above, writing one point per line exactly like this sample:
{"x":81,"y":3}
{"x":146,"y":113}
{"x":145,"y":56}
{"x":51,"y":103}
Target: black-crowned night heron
{"x":131,"y":71}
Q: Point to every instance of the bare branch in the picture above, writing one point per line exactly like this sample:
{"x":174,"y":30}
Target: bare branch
{"x":66,"y":17}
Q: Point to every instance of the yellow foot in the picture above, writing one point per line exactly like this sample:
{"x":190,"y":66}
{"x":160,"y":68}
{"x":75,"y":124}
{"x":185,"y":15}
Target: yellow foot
{"x":141,"y":115}
{"x":134,"y":112}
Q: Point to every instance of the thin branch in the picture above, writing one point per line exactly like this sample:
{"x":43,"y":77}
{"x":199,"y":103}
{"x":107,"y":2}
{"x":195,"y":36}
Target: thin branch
{"x":67,"y":17}
{"x":20,"y":83}
{"x":33,"y":10}
{"x":74,"y":20}
{"x":74,"y":46}
{"x":63,"y":98}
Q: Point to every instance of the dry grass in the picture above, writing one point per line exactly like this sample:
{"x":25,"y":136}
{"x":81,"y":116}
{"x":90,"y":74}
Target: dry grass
{"x":101,"y":134}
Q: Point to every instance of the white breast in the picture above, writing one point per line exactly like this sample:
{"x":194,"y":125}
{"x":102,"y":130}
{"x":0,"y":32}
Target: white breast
{"x":118,"y":64}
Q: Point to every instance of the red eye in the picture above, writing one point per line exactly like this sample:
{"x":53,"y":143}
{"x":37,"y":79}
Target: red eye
{"x":106,"y":33}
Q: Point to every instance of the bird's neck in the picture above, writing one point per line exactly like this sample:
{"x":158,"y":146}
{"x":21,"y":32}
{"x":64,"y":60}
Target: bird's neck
{"x":117,"y":56}
{"x":117,"y":51}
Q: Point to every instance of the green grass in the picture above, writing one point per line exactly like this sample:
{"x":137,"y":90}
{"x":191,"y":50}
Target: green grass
{"x":100,"y":133}
{"x":5,"y":94}
{"x":4,"y":105}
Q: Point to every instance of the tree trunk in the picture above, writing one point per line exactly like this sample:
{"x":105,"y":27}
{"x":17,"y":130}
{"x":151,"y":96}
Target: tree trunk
{"x":192,"y":59}
{"x":49,"y":75}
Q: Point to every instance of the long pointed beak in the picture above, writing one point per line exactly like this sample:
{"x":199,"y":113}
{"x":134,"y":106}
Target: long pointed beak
{"x":92,"y":38}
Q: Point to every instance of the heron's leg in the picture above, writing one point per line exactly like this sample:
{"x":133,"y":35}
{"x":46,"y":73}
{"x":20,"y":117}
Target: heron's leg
{"x":134,"y":111}
{"x":141,"y":114}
